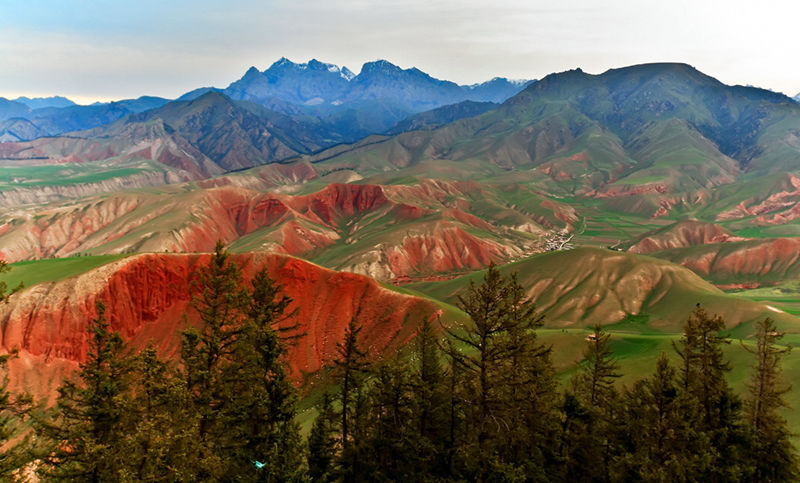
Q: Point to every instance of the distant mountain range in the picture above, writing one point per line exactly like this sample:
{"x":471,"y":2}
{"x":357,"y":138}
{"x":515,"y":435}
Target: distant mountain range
{"x":25,"y":119}
{"x":319,"y":84}
{"x":654,"y":140}
{"x":40,"y":102}
{"x":350,"y":106}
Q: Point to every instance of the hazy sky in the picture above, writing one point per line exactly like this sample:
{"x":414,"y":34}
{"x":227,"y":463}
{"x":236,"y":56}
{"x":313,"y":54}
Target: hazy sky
{"x":105,"y":49}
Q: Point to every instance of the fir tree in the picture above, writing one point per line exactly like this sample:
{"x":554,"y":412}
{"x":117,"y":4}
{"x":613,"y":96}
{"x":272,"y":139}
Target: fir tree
{"x":773,"y":453}
{"x":595,"y":391}
{"x":703,"y":380}
{"x":395,"y":447}
{"x":159,"y":440}
{"x":322,"y":443}
{"x":221,"y":303}
{"x":429,"y":403}
{"x":658,"y":439}
{"x":505,"y":363}
{"x":350,"y":368}
{"x":5,"y":293}
{"x":87,"y":430}
{"x":261,"y":409}
{"x":14,"y":409}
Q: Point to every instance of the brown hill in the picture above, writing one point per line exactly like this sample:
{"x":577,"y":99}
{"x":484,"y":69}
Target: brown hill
{"x":743,"y":264}
{"x":682,"y":234}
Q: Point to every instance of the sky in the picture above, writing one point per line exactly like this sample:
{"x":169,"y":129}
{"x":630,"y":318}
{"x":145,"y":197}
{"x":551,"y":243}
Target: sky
{"x":91,"y":50}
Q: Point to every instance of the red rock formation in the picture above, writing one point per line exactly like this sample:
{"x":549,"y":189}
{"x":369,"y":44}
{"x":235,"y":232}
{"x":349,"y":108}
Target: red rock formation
{"x":147,"y":296}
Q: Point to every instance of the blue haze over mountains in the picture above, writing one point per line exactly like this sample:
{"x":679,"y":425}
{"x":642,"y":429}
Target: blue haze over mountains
{"x":343,"y":106}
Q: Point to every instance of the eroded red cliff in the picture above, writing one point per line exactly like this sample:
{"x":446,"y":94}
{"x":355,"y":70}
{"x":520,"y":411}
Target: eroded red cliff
{"x":148,"y":296}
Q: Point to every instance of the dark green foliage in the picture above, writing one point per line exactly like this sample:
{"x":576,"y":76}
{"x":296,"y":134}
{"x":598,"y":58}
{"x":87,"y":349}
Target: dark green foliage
{"x":261,"y":411}
{"x":4,"y":292}
{"x":13,"y":410}
{"x":158,"y":443}
{"x":703,"y":380}
{"x":658,"y":441}
{"x":206,"y":353}
{"x":773,"y":453}
{"x":242,"y":403}
{"x":508,"y":374}
{"x":322,"y":443}
{"x":480,"y":405}
{"x":594,"y":411}
{"x":350,"y":371}
{"x":84,"y":441}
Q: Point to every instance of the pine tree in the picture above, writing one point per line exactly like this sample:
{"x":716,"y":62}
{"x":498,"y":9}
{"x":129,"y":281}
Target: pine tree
{"x":14,"y":409}
{"x":322,"y":443}
{"x":429,"y":403}
{"x":86,"y":432}
{"x":504,"y":361}
{"x":221,"y":303}
{"x":261,"y":409}
{"x":350,"y":368}
{"x":658,"y":440}
{"x":703,"y":380}
{"x":528,"y":388}
{"x":595,"y":391}
{"x":5,"y":293}
{"x":158,"y":436}
{"x":773,"y":453}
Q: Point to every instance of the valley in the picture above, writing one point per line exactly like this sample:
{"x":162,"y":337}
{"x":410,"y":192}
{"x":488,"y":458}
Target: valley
{"x":623,"y":199}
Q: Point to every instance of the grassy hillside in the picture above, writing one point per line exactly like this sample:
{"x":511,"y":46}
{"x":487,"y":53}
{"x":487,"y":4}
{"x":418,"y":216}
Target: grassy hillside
{"x":39,"y":271}
{"x":581,"y":287}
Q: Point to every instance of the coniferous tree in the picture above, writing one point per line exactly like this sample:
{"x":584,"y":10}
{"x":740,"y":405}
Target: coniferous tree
{"x":221,"y":303}
{"x":84,"y":440}
{"x":429,"y":403}
{"x":261,"y":409}
{"x":503,"y":361}
{"x":322,"y":443}
{"x":595,"y":391}
{"x":14,"y":409}
{"x":773,"y":453}
{"x":5,"y":293}
{"x":391,"y":446}
{"x":529,"y":388}
{"x":158,"y":440}
{"x":658,"y":440}
{"x":703,"y":380}
{"x":350,"y":368}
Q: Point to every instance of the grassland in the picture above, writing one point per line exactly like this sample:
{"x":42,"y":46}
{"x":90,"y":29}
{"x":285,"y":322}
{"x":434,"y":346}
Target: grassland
{"x":39,"y":271}
{"x":14,"y":177}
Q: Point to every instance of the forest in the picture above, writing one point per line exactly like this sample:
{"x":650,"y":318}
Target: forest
{"x":477,"y":401}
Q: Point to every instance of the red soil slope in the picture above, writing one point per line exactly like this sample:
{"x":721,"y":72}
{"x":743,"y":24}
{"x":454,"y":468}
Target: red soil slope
{"x":682,"y":234}
{"x":147,"y":296}
{"x":743,"y":264}
{"x":456,"y":226}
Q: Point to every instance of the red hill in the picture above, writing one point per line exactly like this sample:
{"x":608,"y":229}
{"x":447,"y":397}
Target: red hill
{"x":147,"y":296}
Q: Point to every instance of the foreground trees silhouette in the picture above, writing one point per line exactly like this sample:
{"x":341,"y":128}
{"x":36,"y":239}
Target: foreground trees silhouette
{"x":476,"y":401}
{"x":225,"y":412}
